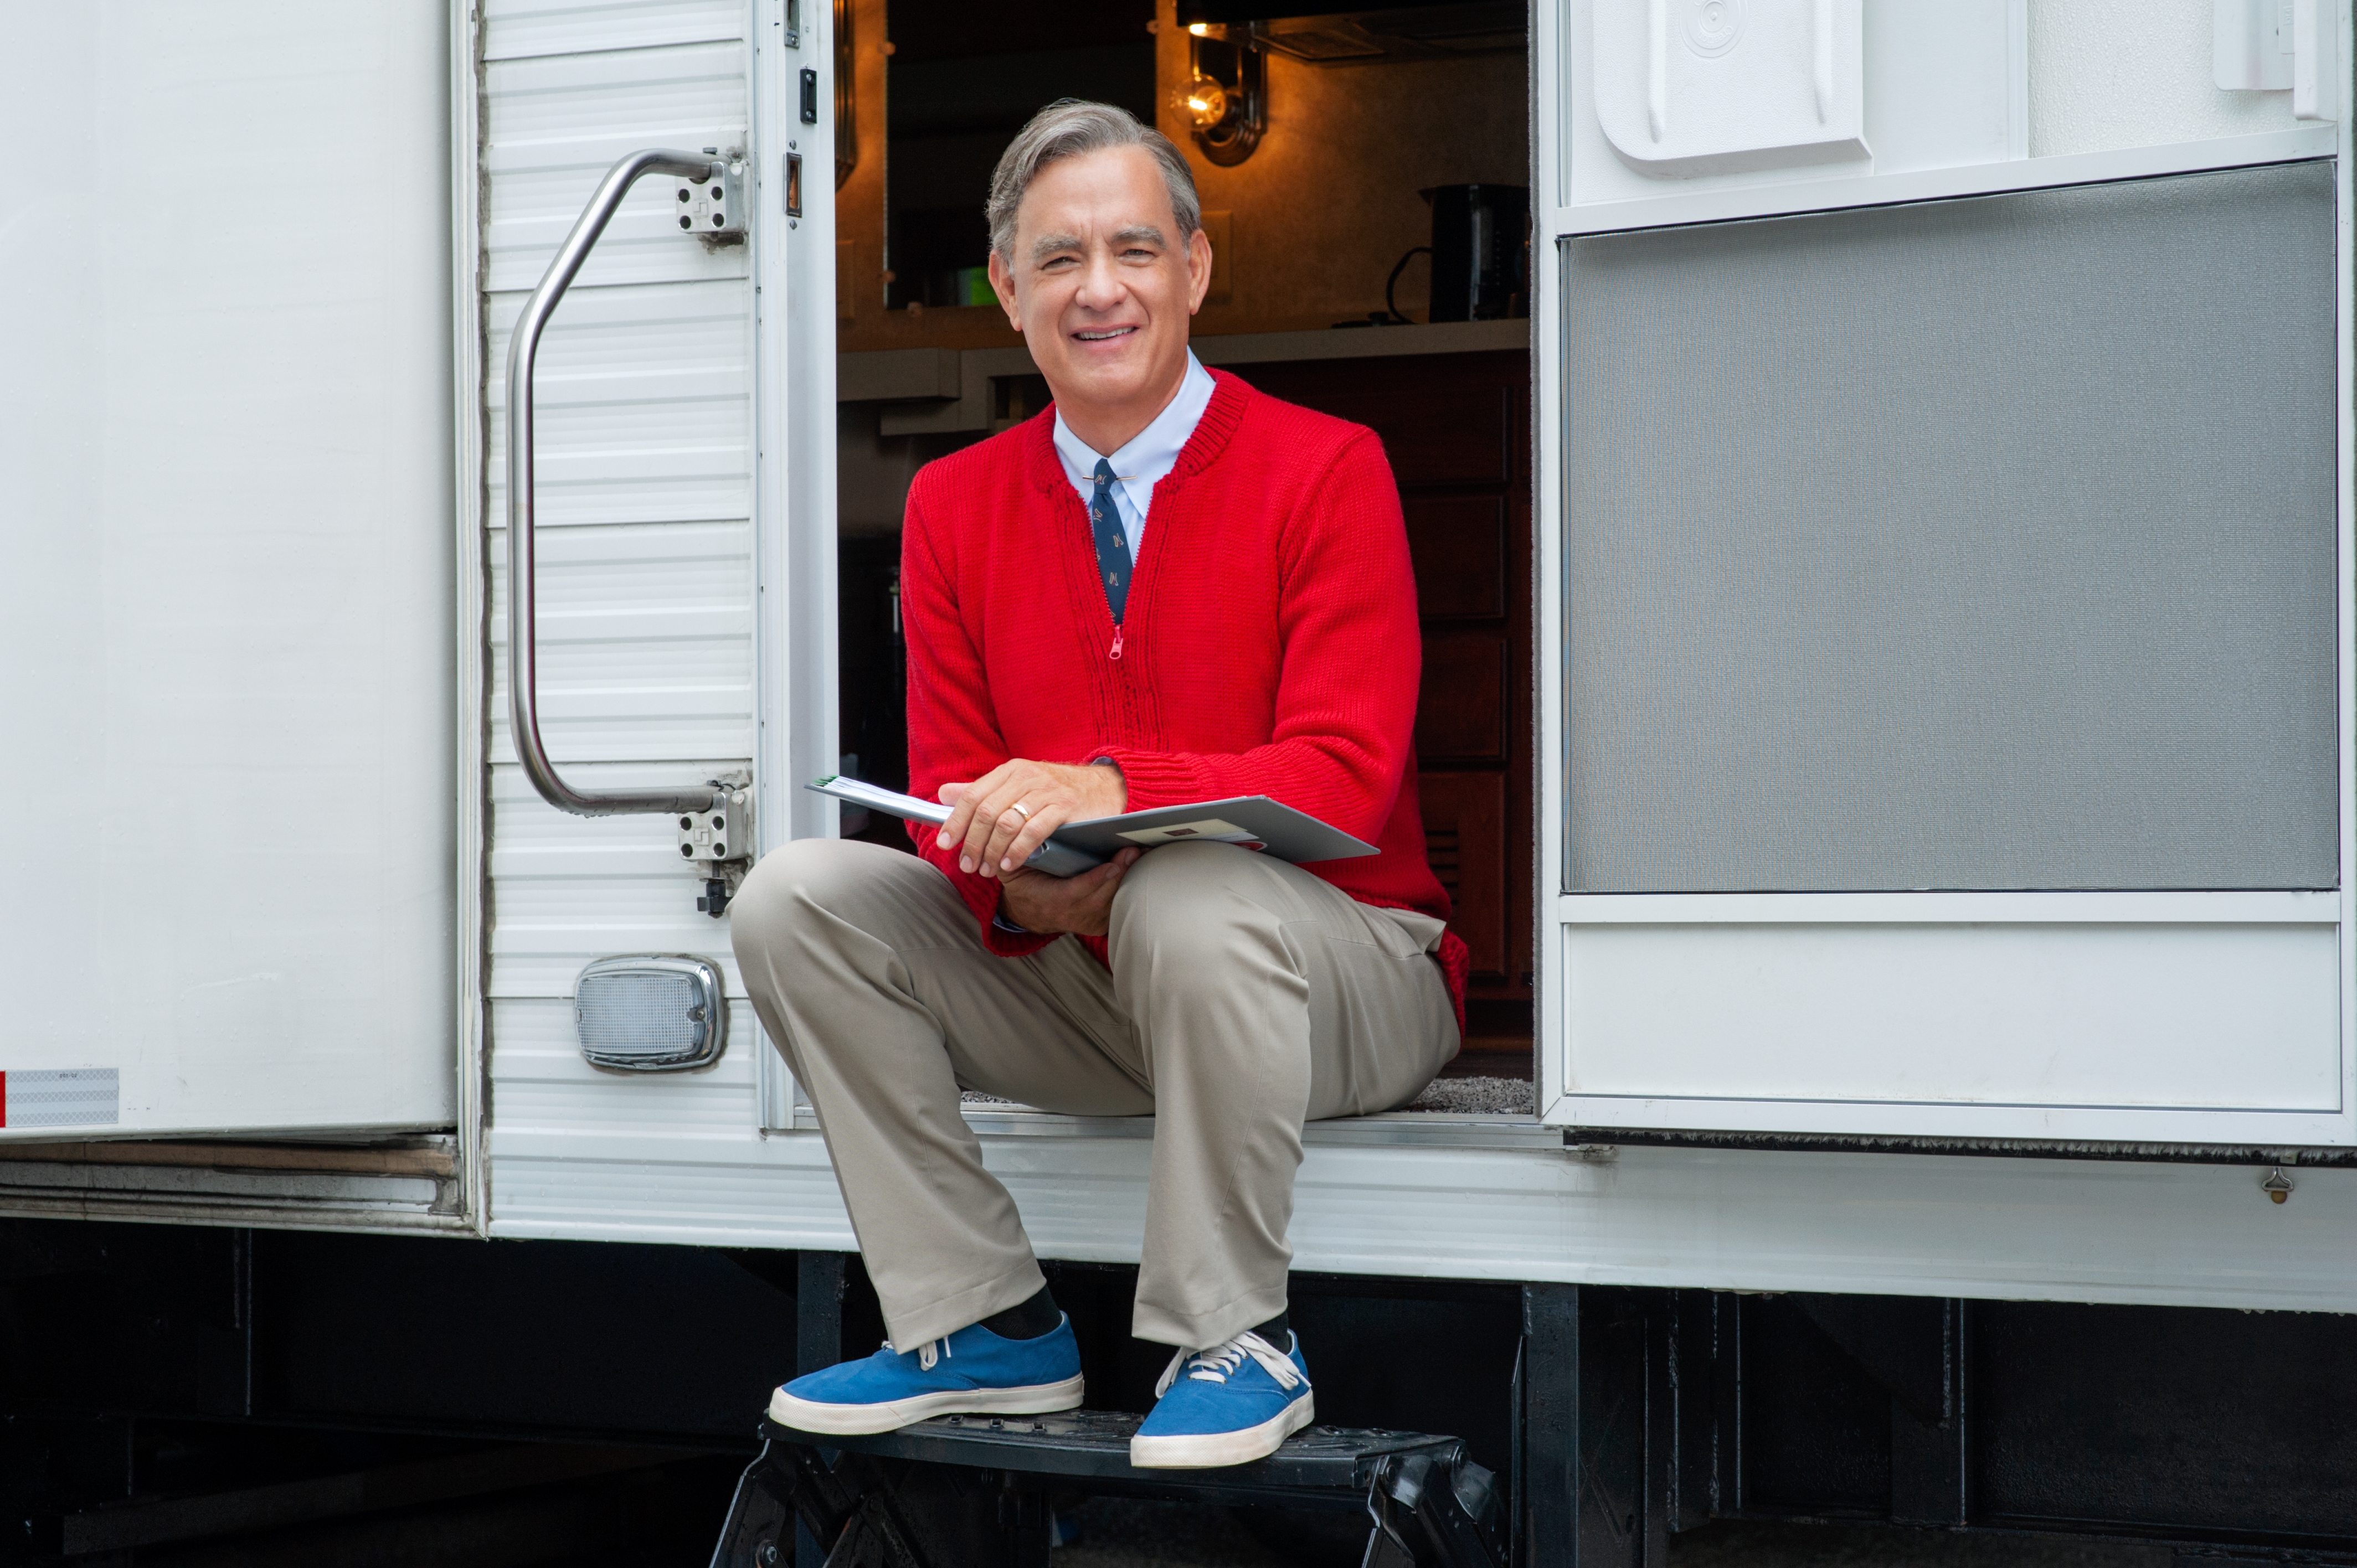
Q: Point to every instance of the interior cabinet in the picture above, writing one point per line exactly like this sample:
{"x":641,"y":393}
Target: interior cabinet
{"x":1457,"y":430}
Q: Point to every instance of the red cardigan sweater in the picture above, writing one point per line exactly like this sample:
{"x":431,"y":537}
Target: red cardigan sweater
{"x":1268,"y":646}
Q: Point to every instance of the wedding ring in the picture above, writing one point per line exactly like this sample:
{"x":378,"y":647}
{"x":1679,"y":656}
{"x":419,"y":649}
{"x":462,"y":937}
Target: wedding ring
{"x":1020,"y":806}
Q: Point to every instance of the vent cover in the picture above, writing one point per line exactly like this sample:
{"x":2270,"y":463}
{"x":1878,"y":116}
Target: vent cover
{"x":655,"y":1013}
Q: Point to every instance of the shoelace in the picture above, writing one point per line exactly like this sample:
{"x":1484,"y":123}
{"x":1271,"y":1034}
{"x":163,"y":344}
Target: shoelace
{"x":926,"y":1356}
{"x":1214,"y":1365}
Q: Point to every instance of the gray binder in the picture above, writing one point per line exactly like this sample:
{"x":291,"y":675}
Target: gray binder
{"x":1255,"y":822}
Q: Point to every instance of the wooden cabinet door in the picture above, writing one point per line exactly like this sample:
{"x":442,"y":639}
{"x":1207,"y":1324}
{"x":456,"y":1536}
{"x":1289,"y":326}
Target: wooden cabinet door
{"x":1457,"y":430}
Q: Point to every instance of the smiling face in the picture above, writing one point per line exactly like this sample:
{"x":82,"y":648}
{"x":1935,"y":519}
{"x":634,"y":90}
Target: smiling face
{"x":1101,"y":284}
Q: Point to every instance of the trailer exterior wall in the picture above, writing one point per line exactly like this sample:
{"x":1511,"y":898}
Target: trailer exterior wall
{"x":714,"y":1158}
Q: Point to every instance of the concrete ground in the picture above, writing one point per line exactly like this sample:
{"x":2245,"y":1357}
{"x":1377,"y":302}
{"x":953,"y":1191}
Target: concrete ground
{"x":1120,"y":1533}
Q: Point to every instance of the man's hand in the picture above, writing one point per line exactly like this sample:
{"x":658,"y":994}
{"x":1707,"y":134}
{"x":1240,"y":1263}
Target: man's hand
{"x":1081,"y":904}
{"x":992,"y":837}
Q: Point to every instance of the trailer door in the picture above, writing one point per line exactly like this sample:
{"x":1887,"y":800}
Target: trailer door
{"x":1946,"y":605}
{"x":226,"y":615}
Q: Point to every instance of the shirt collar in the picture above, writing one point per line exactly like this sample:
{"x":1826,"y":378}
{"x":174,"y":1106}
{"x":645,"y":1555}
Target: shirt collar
{"x":1150,"y":454}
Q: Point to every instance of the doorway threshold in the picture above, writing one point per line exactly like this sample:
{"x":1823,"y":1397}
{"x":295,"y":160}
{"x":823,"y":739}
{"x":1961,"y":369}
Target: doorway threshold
{"x":1458,"y":1113}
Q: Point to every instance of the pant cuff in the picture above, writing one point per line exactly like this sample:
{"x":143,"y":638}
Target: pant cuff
{"x":1201,"y":1331}
{"x":944,"y":1316}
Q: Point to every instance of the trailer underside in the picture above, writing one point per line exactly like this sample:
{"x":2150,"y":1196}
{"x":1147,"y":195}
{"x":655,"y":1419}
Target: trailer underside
{"x":146,"y":1366}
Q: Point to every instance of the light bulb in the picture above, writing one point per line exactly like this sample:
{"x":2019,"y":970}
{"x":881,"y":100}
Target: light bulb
{"x":1203,"y":101}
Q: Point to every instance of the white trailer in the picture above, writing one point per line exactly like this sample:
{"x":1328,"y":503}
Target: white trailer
{"x":1942,"y":432}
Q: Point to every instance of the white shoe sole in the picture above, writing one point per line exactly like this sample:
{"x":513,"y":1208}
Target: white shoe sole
{"x":860,"y":1420}
{"x":1209,"y":1450}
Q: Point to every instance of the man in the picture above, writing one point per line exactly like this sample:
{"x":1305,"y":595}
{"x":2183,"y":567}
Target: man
{"x":1170,"y":589}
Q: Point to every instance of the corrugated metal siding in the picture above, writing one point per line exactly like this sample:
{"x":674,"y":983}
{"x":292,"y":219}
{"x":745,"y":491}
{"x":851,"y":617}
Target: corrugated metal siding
{"x":644,"y":462}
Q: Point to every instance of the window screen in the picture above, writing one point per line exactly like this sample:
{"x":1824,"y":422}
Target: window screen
{"x":1984,"y":543}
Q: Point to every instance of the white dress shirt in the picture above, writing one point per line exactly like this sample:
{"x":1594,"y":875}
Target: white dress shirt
{"x":1150,"y":454}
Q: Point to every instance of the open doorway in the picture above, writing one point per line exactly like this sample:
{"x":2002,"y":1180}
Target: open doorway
{"x":1370,"y":259}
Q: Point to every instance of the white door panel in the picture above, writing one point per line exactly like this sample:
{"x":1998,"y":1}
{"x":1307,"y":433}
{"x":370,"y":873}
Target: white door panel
{"x":2165,"y":1018}
{"x":2154,"y":996}
{"x":225,"y":492}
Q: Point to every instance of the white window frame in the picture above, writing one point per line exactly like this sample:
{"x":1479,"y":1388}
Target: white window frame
{"x":1563,"y":913}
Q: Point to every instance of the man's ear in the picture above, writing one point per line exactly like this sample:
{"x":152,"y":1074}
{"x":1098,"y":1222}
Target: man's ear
{"x":1002,"y":282}
{"x":1199,"y":270}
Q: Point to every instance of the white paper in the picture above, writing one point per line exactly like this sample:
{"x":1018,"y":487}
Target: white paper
{"x":891,"y":802}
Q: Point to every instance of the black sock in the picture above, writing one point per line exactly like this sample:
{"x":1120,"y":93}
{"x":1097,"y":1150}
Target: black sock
{"x":1026,"y":1319}
{"x":1274,"y":1331}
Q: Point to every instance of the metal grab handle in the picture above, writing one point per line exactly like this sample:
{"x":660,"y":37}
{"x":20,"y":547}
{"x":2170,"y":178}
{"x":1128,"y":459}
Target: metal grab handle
{"x":524,"y":661}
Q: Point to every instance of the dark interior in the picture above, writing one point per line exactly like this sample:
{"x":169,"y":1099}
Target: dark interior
{"x":958,"y":92}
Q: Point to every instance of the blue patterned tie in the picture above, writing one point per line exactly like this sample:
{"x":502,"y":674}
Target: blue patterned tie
{"x":1113,"y":542}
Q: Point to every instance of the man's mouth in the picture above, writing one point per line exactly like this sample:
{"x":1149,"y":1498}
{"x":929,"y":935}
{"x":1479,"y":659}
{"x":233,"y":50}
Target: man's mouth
{"x":1104,"y":334}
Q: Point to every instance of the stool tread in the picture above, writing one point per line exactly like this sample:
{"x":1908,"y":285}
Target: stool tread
{"x":1094,"y":1444}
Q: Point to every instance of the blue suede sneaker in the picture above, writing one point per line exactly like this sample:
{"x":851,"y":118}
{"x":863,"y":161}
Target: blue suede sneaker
{"x":1228,"y":1405}
{"x":972,"y":1372}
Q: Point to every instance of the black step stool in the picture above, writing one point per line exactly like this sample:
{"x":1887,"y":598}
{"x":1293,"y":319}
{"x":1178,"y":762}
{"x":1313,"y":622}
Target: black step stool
{"x":971,"y":1490}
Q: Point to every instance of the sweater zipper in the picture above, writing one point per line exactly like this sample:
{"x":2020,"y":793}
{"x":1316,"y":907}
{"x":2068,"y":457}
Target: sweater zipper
{"x":1119,"y":631}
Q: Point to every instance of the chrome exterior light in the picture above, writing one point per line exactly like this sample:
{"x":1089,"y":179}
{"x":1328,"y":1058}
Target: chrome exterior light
{"x":650,"y":1013}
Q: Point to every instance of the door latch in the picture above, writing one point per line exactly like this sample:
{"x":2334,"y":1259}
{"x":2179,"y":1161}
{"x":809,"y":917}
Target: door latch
{"x":718,"y":844}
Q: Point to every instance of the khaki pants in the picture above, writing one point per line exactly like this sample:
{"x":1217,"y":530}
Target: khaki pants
{"x":1246,"y":997}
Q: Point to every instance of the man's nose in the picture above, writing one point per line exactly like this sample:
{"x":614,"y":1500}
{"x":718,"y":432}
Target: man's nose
{"x":1100,"y":286}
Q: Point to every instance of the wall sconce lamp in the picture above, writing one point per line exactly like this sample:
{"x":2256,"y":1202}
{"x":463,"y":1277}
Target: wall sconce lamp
{"x":1225,"y":99}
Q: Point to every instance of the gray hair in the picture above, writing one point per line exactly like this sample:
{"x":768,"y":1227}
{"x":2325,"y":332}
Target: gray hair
{"x":1066,"y":129}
